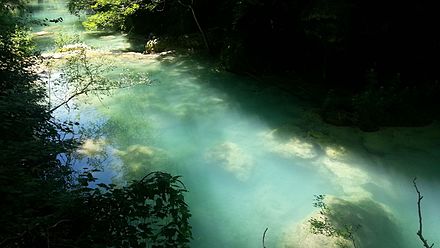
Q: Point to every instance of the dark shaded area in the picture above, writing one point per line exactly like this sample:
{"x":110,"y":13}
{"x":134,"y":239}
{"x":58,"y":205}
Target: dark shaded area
{"x":375,"y":60}
{"x":280,"y":107}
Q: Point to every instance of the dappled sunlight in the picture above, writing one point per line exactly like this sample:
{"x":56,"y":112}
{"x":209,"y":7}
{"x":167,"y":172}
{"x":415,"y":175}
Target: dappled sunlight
{"x":336,"y":152}
{"x":347,"y":176}
{"x":298,"y":235}
{"x":292,"y":148}
{"x":348,"y":172}
{"x":232,"y":158}
{"x":244,"y":171}
{"x":270,"y":175}
{"x":251,"y":154}
{"x":296,"y":148}
{"x":345,"y":170}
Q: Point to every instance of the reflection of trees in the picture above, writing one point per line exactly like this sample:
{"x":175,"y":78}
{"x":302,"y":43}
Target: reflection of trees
{"x":79,"y":73}
{"x":125,"y":147}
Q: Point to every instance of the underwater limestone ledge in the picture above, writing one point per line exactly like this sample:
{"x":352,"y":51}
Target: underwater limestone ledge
{"x":293,"y":147}
{"x":378,"y":226}
{"x":73,"y":49}
{"x":232,"y":158}
{"x":137,"y":160}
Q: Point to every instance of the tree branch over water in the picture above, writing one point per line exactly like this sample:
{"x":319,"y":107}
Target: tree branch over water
{"x":79,"y":76}
{"x":420,"y":231}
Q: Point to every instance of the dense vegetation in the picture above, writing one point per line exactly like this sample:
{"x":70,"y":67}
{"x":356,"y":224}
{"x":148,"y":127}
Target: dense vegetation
{"x":376,"y":60}
{"x":44,"y":203}
{"x":377,"y":66}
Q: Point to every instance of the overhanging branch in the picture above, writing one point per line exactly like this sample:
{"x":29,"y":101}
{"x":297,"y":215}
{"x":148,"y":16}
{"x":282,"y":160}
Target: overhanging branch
{"x":419,"y":209}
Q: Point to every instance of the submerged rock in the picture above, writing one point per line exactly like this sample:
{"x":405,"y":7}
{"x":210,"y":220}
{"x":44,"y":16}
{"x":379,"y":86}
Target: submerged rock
{"x":293,"y":147}
{"x":74,"y":47}
{"x":233,"y":159}
{"x":377,"y":226}
{"x":42,"y":33}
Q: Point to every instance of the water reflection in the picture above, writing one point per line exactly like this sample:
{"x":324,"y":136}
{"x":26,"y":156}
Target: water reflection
{"x":253,"y":155}
{"x":245,"y":174}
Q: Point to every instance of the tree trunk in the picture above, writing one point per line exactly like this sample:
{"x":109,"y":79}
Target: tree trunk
{"x":205,"y":39}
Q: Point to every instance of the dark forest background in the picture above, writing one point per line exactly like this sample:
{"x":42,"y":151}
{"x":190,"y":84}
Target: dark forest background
{"x":377,"y":61}
{"x":374,"y":63}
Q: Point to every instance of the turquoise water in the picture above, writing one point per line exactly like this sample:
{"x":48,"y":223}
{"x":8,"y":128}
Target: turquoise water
{"x":253,"y":156}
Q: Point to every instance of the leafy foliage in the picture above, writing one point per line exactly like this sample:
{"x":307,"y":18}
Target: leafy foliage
{"x":334,"y":42}
{"x":64,"y":39}
{"x":327,"y":21}
{"x":150,"y":212}
{"x":326,"y":224}
{"x":42,"y":204}
{"x":31,"y":178}
{"x":109,"y":14}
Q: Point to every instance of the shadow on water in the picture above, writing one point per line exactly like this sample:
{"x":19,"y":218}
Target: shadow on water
{"x":371,"y":172}
{"x":364,"y":218}
{"x":374,"y":220}
{"x":253,"y":153}
{"x":135,"y":43}
{"x":409,"y":151}
{"x":392,"y":157}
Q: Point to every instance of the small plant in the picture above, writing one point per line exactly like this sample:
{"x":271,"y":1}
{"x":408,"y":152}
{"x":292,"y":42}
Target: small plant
{"x":64,"y":39}
{"x":150,"y":212}
{"x":326,"y":224}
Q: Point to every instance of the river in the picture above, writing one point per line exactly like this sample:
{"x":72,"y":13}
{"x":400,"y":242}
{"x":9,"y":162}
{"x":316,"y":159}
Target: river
{"x":251,"y":155}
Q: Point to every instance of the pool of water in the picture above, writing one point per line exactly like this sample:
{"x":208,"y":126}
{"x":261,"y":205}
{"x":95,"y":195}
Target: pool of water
{"x":251,"y":155}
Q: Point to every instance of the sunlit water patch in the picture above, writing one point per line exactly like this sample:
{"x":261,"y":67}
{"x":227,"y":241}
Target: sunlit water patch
{"x":245,"y":173}
{"x":62,"y":27}
{"x":253,"y":157}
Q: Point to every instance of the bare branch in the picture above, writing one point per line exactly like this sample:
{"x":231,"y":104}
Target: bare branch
{"x":419,"y":209}
{"x":190,"y":7}
{"x":264,"y":236}
{"x":84,"y":77}
{"x":59,"y":222}
{"x":68,"y":100}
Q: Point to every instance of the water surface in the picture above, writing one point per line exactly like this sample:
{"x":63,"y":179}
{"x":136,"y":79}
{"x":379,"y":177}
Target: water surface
{"x":252,"y":155}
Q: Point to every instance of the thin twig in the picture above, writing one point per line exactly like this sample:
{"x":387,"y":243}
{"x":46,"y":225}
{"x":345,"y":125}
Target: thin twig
{"x":68,"y":99}
{"x":420,"y":231}
{"x":190,"y":7}
{"x":59,"y":222}
{"x":264,"y":236}
{"x":51,"y":227}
